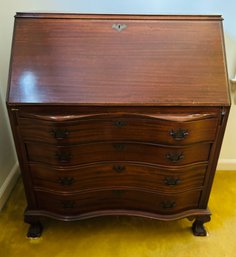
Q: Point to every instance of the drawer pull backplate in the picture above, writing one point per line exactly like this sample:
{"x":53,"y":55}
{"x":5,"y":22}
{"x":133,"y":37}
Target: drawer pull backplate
{"x":63,"y":156}
{"x":119,"y":146}
{"x":170,"y":181}
{"x":120,"y":123}
{"x":66,"y":181}
{"x":179,"y":134}
{"x":68,"y":204}
{"x":168,"y":204}
{"x":118,"y":193}
{"x":59,"y":133}
{"x":175,"y":156}
{"x":118,"y":168}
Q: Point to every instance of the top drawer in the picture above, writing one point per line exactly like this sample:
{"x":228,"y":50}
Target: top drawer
{"x":161,"y":128}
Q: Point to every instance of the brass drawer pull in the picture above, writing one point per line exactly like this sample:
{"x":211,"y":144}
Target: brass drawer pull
{"x":63,"y":157}
{"x":168,"y":204}
{"x":175,"y":156}
{"x":68,"y":204}
{"x":120,"y":123}
{"x":59,"y":133}
{"x":179,"y":134}
{"x":119,"y":146}
{"x":118,"y":168}
{"x":170,"y":181}
{"x":66,"y":181}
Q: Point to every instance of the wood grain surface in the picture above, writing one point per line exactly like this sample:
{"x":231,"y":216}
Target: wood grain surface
{"x":117,"y":114}
{"x":82,"y":60}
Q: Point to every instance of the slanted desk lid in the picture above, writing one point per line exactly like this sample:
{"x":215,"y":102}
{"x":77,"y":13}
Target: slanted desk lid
{"x":118,"y":59}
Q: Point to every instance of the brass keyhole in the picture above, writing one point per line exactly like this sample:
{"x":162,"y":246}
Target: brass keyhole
{"x":119,"y":27}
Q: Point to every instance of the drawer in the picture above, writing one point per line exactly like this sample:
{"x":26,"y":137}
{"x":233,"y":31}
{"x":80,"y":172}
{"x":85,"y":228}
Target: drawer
{"x":117,"y":199}
{"x":164,"y":129}
{"x":116,"y":174}
{"x":118,"y":151}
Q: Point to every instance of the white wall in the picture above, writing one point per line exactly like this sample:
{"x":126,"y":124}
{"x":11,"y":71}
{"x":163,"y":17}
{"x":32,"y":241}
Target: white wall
{"x":8,"y":9}
{"x":228,"y":151}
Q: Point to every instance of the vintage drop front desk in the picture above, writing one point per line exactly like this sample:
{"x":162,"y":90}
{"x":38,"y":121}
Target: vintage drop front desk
{"x":117,"y":114}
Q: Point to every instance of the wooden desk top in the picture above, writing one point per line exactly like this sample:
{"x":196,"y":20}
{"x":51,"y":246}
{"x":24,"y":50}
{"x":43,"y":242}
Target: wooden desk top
{"x":118,"y":60}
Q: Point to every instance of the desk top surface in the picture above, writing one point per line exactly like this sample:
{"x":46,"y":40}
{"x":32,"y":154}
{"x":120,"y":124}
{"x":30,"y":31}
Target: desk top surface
{"x":118,"y":60}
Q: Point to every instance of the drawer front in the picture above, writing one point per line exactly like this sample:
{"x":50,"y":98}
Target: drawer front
{"x":117,"y":199}
{"x":122,"y":151}
{"x":121,"y":127}
{"x":117,"y":174}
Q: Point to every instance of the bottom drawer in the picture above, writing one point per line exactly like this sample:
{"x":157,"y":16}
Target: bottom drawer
{"x":117,"y":199}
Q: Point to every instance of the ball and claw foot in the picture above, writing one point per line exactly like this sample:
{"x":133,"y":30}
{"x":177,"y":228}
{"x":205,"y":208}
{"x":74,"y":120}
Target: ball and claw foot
{"x":35,"y":230}
{"x":198,"y":227}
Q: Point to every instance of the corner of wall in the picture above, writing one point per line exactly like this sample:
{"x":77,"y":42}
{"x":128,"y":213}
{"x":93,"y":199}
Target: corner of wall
{"x":226,"y":164}
{"x":8,"y":185}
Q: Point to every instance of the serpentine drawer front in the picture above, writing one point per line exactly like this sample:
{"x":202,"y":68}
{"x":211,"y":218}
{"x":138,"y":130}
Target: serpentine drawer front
{"x":114,"y":174}
{"x":164,"y":129}
{"x":117,"y":114}
{"x":134,"y":200}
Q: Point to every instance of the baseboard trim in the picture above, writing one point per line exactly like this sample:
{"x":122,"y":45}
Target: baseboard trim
{"x":8,"y":185}
{"x":226,"y":164}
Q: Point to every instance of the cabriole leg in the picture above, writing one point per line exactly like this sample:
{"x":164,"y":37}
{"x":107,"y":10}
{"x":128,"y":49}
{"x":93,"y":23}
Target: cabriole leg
{"x":198,"y":227}
{"x":36,"y":228}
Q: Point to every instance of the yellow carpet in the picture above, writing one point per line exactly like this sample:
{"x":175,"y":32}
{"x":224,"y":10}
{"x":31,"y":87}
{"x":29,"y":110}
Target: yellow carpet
{"x":124,"y":236}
